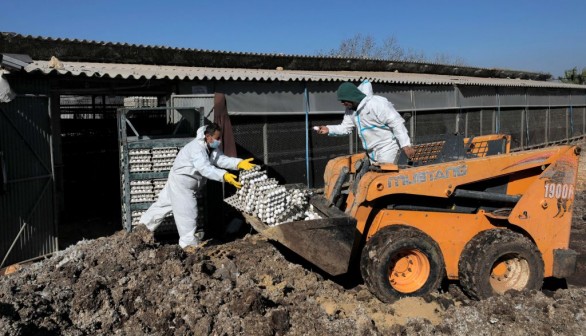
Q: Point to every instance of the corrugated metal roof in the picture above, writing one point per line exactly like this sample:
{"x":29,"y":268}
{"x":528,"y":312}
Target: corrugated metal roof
{"x":74,"y":50}
{"x":144,"y":46}
{"x":138,"y":71}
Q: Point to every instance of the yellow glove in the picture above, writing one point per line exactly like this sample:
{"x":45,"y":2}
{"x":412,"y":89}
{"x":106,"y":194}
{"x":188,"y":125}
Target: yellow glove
{"x":231,"y":178}
{"x":246,"y":164}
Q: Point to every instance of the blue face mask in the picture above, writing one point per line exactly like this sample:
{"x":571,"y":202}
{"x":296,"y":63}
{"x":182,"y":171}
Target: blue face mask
{"x":215,"y":144}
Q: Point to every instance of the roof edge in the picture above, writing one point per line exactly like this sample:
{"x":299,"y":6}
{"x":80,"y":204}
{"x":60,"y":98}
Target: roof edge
{"x":43,"y":48}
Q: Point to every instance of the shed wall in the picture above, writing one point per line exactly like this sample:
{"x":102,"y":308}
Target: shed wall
{"x":27,"y":196}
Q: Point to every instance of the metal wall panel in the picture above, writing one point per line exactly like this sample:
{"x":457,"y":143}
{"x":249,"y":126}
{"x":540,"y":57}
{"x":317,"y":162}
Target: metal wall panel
{"x":434,"y":97}
{"x":537,"y":97}
{"x":577,"y":98}
{"x":400,"y":95}
{"x":279,"y":98}
{"x":263,"y":98}
{"x":27,"y":203}
{"x":558,"y":97}
{"x":510,"y":96}
{"x":323,"y":99}
{"x":477,"y":96}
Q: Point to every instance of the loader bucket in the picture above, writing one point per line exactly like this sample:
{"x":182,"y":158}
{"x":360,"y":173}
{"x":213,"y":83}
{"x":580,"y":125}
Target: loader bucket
{"x":327,"y":242}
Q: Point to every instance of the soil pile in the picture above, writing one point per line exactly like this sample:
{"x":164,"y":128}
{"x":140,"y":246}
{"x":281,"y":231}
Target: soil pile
{"x":129,"y":284}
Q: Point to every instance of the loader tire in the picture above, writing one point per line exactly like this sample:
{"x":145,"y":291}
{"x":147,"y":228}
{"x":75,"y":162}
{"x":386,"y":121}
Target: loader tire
{"x":498,"y":260}
{"x":401,"y":261}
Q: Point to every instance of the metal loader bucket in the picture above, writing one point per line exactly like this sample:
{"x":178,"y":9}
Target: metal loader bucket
{"x":326,"y":243}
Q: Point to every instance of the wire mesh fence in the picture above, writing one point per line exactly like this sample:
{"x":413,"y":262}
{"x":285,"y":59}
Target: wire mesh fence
{"x":279,"y":141}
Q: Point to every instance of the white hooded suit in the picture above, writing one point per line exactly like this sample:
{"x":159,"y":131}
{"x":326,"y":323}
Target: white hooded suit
{"x":379,"y":126}
{"x":193,"y":166}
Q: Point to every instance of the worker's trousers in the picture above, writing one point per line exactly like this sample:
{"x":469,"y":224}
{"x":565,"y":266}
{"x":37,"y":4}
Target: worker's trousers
{"x":178,"y":196}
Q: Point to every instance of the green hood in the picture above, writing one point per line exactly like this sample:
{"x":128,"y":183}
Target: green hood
{"x":349,"y":92}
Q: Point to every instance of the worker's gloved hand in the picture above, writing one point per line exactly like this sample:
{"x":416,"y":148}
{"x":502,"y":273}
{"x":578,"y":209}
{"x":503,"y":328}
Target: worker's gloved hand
{"x":409,"y":151}
{"x":231,"y":178}
{"x":246,"y":164}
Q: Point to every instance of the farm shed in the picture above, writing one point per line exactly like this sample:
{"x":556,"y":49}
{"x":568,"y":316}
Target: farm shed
{"x":58,"y":135}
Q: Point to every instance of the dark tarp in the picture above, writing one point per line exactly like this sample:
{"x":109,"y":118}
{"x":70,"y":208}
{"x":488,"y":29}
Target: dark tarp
{"x":221,"y":118}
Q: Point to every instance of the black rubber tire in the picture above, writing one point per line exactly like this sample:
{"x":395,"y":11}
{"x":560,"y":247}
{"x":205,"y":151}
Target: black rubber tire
{"x":384,"y":247}
{"x":491,"y":246}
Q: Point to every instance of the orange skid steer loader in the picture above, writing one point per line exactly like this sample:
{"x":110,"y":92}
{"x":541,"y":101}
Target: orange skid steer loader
{"x":465,"y":209}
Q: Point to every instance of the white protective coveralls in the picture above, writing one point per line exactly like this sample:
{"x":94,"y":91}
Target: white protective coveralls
{"x":379,"y":126}
{"x":6,"y":93}
{"x":193,"y":166}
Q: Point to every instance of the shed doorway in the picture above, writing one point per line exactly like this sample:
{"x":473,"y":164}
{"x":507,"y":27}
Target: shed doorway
{"x":87,"y":168}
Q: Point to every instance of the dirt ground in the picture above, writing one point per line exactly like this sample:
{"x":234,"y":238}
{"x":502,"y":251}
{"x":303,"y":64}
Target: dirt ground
{"x":132,"y":284}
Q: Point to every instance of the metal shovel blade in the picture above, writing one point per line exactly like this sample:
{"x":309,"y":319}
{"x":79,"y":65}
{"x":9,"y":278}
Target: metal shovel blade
{"x":327,"y":243}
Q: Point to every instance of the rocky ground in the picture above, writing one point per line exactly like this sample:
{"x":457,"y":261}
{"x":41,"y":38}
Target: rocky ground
{"x":130,"y":284}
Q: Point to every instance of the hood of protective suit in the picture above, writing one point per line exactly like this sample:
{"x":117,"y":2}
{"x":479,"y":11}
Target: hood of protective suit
{"x":366,"y":88}
{"x":349,"y":92}
{"x":200,"y":135}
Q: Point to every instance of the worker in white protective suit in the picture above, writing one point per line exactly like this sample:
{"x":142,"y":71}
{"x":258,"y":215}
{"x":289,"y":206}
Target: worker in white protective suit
{"x":380,"y":127}
{"x":200,"y":160}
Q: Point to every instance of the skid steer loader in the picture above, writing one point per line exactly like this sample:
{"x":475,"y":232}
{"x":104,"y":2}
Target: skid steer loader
{"x":465,"y":209}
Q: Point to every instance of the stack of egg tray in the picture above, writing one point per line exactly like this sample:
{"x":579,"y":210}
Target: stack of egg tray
{"x":140,"y":160}
{"x":163,"y":158}
{"x":158,"y":185}
{"x":272,"y":203}
{"x":136,"y":216}
{"x":156,"y":159}
{"x":141,"y":191}
{"x":134,"y":102}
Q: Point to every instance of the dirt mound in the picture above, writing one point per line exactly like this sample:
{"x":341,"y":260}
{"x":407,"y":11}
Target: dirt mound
{"x":129,"y":284}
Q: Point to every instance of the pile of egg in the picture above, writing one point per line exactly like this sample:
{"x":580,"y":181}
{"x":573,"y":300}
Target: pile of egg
{"x":272,"y":203}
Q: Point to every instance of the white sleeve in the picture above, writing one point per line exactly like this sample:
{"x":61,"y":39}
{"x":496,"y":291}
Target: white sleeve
{"x":219,"y":159}
{"x":204,"y":166}
{"x":390,"y":117}
{"x":344,"y":128}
